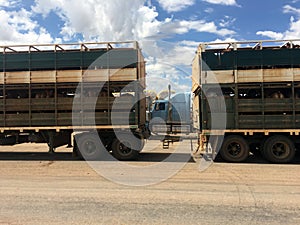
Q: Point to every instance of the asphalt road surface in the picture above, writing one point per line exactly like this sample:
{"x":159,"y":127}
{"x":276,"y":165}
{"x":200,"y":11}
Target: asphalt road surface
{"x":42,"y":188}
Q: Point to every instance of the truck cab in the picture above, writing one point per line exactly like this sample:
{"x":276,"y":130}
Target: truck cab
{"x":172,"y":116}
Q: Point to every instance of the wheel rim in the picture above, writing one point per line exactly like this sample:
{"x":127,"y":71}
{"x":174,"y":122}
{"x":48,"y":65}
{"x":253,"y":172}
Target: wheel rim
{"x":234,"y":149}
{"x":125,"y":148}
{"x":90,"y":147}
{"x":280,"y":150}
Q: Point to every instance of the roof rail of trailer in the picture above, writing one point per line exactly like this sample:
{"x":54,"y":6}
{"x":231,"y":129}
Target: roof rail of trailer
{"x":87,"y":46}
{"x":253,"y":44}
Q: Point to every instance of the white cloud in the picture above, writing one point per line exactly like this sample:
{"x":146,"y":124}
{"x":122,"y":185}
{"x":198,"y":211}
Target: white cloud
{"x":293,"y":31}
{"x":172,"y":63}
{"x":9,"y":3}
{"x":227,"y":21}
{"x":290,"y":9}
{"x":222,"y":2}
{"x":209,"y":10}
{"x":102,"y":20}
{"x":160,"y":75}
{"x":175,"y":5}
{"x":44,"y":7}
{"x":117,"y":20}
{"x":18,"y":28}
{"x":184,"y":26}
{"x":271,"y":34}
{"x":203,"y":26}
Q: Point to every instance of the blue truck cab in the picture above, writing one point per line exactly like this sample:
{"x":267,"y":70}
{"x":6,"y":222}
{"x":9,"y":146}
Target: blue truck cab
{"x":172,"y":116}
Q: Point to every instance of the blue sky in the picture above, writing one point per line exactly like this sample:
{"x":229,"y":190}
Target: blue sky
{"x":175,"y":27}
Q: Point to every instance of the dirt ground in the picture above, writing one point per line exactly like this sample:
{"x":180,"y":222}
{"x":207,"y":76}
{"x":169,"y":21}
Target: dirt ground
{"x":42,"y":188}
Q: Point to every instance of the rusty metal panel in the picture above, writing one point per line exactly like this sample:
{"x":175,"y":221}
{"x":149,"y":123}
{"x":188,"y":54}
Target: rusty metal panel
{"x":2,"y":74}
{"x":17,"y":119}
{"x":16,"y":105}
{"x":64,"y":103}
{"x":43,"y":119}
{"x":278,"y":75}
{"x":42,"y":104}
{"x":278,"y":105}
{"x":142,"y":109}
{"x":65,"y":119}
{"x":98,"y":75}
{"x":296,"y":74}
{"x":250,"y":105}
{"x":2,"y":120}
{"x":251,"y":122}
{"x":22,"y":77}
{"x":93,"y":118}
{"x":196,"y":112}
{"x":141,"y":70}
{"x":125,"y":74}
{"x":69,"y":76}
{"x":247,"y":76}
{"x":196,"y":70}
{"x":271,"y":121}
{"x":217,"y":77}
{"x":43,"y":76}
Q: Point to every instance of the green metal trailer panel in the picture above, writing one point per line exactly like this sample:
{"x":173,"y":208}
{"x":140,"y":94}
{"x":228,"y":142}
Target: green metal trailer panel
{"x":62,"y":119}
{"x":249,"y":58}
{"x":114,"y":58}
{"x":24,"y":108}
{"x":69,"y":60}
{"x":1,"y":62}
{"x":266,"y":111}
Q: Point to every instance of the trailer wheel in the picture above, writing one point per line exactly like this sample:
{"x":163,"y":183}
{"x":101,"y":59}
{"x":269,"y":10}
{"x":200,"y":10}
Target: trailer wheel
{"x":126,"y":147}
{"x":279,"y":149}
{"x":89,"y":146}
{"x":234,"y":149}
{"x":11,"y":140}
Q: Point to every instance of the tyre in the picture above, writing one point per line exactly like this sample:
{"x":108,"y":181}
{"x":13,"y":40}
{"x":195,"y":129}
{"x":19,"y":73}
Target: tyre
{"x":279,"y":149}
{"x":9,"y":140}
{"x":127,"y":147}
{"x":234,"y":149}
{"x":89,"y":146}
